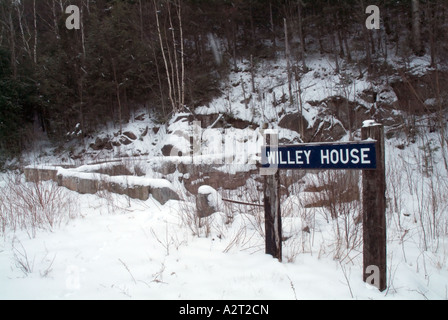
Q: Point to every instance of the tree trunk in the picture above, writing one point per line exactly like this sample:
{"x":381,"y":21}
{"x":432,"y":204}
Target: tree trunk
{"x":26,"y":45}
{"x":117,"y":88}
{"x":168,"y":76}
{"x":432,"y":26}
{"x":55,"y":20}
{"x":271,"y":16}
{"x":335,"y":53}
{"x":141,"y":20}
{"x":416,"y":37}
{"x":301,"y":36}
{"x":252,"y":73}
{"x":182,"y":92}
{"x":13,"y":46}
{"x":288,"y":62}
{"x":162,"y":99}
{"x":175,"y":66}
{"x":35,"y":32}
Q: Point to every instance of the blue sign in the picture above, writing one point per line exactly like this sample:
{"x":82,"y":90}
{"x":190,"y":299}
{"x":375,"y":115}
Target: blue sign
{"x":348,"y":155}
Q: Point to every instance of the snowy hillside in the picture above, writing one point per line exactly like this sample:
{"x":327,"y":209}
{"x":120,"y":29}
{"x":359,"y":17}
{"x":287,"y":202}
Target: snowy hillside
{"x":108,"y":246}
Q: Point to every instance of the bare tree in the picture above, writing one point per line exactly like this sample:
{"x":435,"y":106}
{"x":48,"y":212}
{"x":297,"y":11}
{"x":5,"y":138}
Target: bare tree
{"x":173,"y":57}
{"x":117,"y":89}
{"x":13,"y":46}
{"x":25,"y":37}
{"x":35,"y":32}
{"x":182,"y":91}
{"x":271,"y":19}
{"x":55,"y":19}
{"x":301,"y":36}
{"x":167,"y":69}
{"x":288,"y":62}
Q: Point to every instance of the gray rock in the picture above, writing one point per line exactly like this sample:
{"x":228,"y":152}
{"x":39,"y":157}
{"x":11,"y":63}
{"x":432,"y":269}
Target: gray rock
{"x":125,"y":141}
{"x":100,"y":143}
{"x":130,"y":135}
{"x":163,"y":194}
{"x":165,"y":168}
{"x":166,"y":150}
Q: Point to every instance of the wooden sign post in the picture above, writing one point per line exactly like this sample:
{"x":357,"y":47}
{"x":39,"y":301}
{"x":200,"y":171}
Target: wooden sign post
{"x":272,"y":211}
{"x":366,"y":155}
{"x":374,"y":212}
{"x":273,"y":217}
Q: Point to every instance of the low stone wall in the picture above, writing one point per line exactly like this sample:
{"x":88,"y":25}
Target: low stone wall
{"x":36,"y":174}
{"x":194,"y":175}
{"x":90,"y":183}
{"x":84,"y":183}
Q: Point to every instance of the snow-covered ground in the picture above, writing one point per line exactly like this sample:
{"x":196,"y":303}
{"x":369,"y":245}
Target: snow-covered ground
{"x":116,"y":248}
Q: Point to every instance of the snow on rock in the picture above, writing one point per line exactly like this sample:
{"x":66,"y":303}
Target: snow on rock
{"x":208,"y":201}
{"x":162,"y":190}
{"x":91,"y":182}
{"x":369,"y":123}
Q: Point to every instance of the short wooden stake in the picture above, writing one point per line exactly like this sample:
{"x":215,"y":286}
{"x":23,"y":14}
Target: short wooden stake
{"x":374,"y":212}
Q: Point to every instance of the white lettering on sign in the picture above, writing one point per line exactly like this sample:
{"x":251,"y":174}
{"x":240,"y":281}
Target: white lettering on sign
{"x":345,"y":156}
{"x":301,"y":157}
{"x":313,"y":156}
{"x":364,"y":155}
{"x":354,"y":154}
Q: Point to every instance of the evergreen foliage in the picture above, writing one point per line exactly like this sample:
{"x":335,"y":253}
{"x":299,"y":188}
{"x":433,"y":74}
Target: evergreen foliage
{"x":119,"y":59}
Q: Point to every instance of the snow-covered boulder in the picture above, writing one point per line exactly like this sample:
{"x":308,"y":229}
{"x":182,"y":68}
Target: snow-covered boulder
{"x":208,"y":201}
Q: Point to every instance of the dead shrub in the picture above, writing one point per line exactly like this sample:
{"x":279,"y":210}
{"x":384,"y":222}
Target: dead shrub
{"x":32,"y":206}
